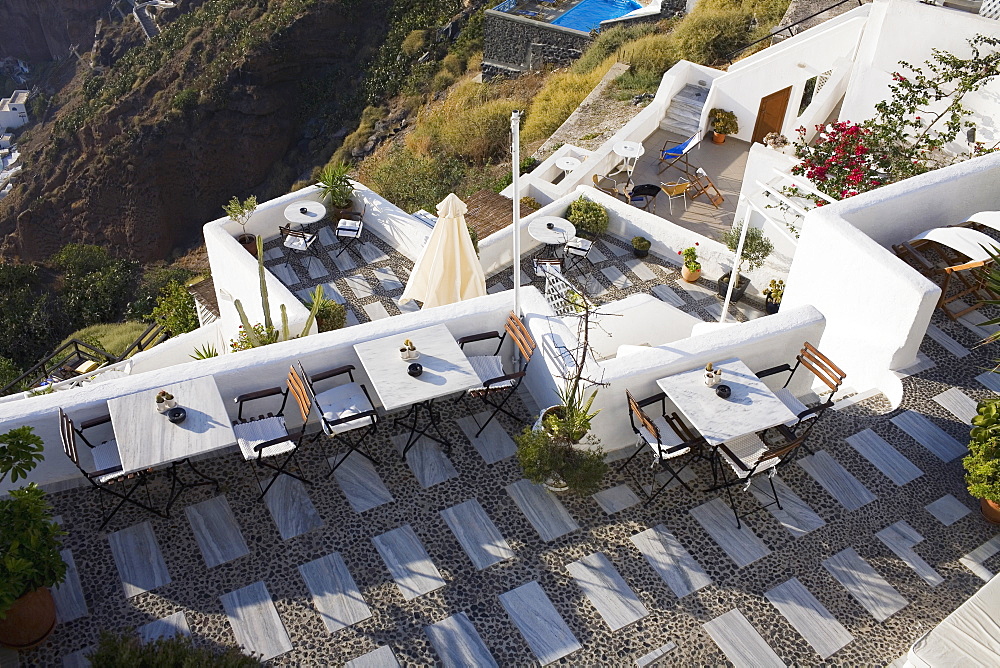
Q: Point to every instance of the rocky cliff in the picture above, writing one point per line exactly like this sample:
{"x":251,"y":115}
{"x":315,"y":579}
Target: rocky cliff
{"x":38,"y":30}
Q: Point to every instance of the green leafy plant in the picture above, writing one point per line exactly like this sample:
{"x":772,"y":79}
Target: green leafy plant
{"x":529,"y":202}
{"x":641,"y":243}
{"x":127,"y":651}
{"x":774,"y":291}
{"x":982,"y":464}
{"x":240,"y":212}
{"x":29,"y":538}
{"x":335,"y":184}
{"x":96,"y":285}
{"x":724,"y":122}
{"x":588,"y":216}
{"x":545,"y":458}
{"x":330,"y":315}
{"x":204,"y":352}
{"x":756,"y":247}
{"x":690,"y":255}
{"x":175,"y":309}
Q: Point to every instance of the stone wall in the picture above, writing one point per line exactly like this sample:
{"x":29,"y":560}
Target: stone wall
{"x":514,"y":44}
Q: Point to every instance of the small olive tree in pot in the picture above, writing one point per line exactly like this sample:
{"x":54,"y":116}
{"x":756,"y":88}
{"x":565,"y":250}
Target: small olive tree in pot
{"x":240,"y":212}
{"x":756,"y":248}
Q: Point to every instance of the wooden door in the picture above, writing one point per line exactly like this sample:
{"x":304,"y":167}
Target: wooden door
{"x":771,"y":115}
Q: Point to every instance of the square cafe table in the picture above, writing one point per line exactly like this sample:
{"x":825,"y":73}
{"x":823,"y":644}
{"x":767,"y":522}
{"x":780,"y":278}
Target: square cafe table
{"x":446,"y":371}
{"x":147,"y":439}
{"x":751,"y":407}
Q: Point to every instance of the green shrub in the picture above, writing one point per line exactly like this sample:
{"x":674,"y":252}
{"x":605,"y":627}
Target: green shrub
{"x":411,"y":181}
{"x":982,"y":464}
{"x":442,"y":81}
{"x":756,"y":246}
{"x":127,"y":651}
{"x":154,"y":280}
{"x":96,"y":286}
{"x":9,"y":371}
{"x":454,"y":63}
{"x":415,"y":43}
{"x":27,"y":326}
{"x":588,"y":216}
{"x":608,"y":43}
{"x":330,"y":315}
{"x":186,"y":99}
{"x":175,"y":310}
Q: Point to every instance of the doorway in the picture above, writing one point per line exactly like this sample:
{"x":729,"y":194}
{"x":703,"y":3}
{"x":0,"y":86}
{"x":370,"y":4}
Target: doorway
{"x":771,"y":115}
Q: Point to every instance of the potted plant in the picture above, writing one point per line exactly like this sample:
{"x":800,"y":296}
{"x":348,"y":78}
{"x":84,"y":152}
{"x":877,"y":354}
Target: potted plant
{"x":640,"y":246}
{"x":723,"y":123}
{"x":691,"y":269}
{"x":240,"y":212}
{"x":756,"y":248}
{"x":773,"y":293}
{"x":589,"y":217}
{"x":335,"y":185}
{"x":775,"y":140}
{"x":30,"y":561}
{"x":982,"y":464}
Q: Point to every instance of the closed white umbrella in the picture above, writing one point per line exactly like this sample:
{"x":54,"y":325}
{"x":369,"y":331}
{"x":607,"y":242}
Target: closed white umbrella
{"x":448,"y":269}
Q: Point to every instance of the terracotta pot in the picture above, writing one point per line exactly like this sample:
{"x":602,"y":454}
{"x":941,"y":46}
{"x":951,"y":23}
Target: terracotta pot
{"x":30,"y":621}
{"x":249,"y":242}
{"x":688,"y":275}
{"x":990,"y":510}
{"x":718,"y":138}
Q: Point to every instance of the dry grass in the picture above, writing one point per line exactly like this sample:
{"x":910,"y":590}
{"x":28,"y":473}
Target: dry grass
{"x":562,"y":94}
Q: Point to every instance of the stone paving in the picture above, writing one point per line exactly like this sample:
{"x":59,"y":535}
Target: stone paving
{"x":878,"y":542}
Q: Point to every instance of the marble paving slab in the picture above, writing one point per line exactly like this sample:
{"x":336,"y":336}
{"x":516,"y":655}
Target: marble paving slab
{"x":376,"y":311}
{"x":977,"y":322}
{"x":477,"y":534}
{"x":429,"y":464}
{"x":494,"y":444}
{"x":865,"y":584}
{"x":291,"y":508}
{"x":377,"y":658}
{"x":616,"y":499}
{"x":542,"y":509}
{"x":68,"y":596}
{"x":696,"y":291}
{"x":616,"y":277}
{"x":78,"y":659}
{"x":276,"y":253}
{"x":932,"y":437}
{"x":138,"y":558}
{"x":360,"y":483}
{"x":545,"y":631}
{"x":216,"y":531}
{"x":740,"y":641}
{"x":344,"y":261}
{"x":884,"y":457}
{"x":458,"y":644}
{"x":668,"y":294}
{"x":314,"y":267}
{"x":327,"y":237}
{"x":958,"y":403}
{"x":947,"y":509}
{"x":168,"y":627}
{"x":656,"y":654}
{"x":974,"y":560}
{"x":809,"y":617}
{"x":359,"y":285}
{"x":794,"y":514}
{"x":408,"y":562}
{"x":285,"y":273}
{"x":255,"y":621}
{"x":901,"y":538}
{"x":408,"y":306}
{"x":334,"y":593}
{"x":640,"y":269}
{"x":835,"y":479}
{"x":714,"y":309}
{"x":990,"y":380}
{"x":922,"y":363}
{"x":686,"y":474}
{"x":607,"y":590}
{"x":387,"y":279}
{"x":946,"y":341}
{"x":671,"y":561}
{"x":371,"y":253}
{"x":741,"y":545}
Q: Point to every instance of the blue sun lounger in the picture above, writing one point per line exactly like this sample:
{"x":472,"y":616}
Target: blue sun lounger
{"x":672,"y":154}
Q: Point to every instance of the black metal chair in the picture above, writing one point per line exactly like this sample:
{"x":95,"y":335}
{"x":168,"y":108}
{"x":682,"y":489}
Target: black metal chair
{"x":343,"y":409}
{"x":350,"y":227}
{"x":298,"y":240}
{"x":749,"y":456}
{"x":108,"y":463}
{"x":498,"y":386}
{"x":667,"y":437}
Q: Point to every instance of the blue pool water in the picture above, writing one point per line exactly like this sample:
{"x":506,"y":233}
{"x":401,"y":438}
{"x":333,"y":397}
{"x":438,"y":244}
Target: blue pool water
{"x":588,"y":14}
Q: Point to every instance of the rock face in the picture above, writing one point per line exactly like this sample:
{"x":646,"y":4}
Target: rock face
{"x":39,"y":30}
{"x":142,"y":175}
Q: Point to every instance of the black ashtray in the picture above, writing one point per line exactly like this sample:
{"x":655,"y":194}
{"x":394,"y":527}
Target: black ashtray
{"x":176,"y":414}
{"x":415,"y":369}
{"x":724,"y":391}
{"x":549,"y":226}
{"x":303,"y":211}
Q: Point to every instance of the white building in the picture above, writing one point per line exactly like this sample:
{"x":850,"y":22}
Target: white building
{"x":13,"y":110}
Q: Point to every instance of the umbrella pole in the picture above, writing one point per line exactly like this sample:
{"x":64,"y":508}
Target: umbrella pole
{"x":734,"y":277}
{"x":515,"y":157}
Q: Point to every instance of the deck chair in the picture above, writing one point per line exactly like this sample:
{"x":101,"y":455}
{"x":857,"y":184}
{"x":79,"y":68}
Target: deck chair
{"x":498,"y":386}
{"x":988,"y":219}
{"x":668,"y":439}
{"x":347,"y":414}
{"x":671,"y":154}
{"x":108,"y":478}
{"x":964,"y":258}
{"x":297,"y":239}
{"x":824,"y":370}
{"x":749,"y":456}
{"x":265,"y":441}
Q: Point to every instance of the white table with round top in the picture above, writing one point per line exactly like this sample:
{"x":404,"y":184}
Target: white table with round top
{"x":552,"y":231}
{"x":630,"y":152}
{"x":305,"y":212}
{"x":568,"y":163}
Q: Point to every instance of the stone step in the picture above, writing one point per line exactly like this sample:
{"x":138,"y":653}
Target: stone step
{"x":683,"y":129}
{"x":682,"y":114}
{"x":693,"y":94}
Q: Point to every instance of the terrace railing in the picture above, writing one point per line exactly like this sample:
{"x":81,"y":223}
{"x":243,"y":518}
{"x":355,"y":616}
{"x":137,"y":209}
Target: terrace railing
{"x":791,"y":33}
{"x":506,"y":6}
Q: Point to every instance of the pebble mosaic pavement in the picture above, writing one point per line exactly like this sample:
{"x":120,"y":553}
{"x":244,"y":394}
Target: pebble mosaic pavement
{"x":195,"y":590}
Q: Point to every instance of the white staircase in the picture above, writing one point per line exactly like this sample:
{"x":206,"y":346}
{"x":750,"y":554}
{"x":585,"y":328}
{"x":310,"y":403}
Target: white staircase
{"x":684,"y":113}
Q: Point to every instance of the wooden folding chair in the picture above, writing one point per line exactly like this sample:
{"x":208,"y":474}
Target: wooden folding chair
{"x":671,"y":154}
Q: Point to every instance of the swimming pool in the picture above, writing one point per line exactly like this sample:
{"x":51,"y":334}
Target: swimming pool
{"x":588,"y":14}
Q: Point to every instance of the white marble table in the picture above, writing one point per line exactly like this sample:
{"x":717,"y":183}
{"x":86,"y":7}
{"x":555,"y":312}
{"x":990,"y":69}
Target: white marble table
{"x":305,"y":212}
{"x":561,"y":231}
{"x":750,"y":408}
{"x":147,"y":439}
{"x":630,"y":152}
{"x":568,"y":163}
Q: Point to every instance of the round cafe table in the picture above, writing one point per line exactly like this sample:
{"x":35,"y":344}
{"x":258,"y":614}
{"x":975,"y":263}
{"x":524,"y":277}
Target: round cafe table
{"x":568,"y":163}
{"x":552,"y":231}
{"x":305,"y":212}
{"x":630,"y":152}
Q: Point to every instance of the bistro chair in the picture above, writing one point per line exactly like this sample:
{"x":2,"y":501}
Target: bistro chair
{"x":347,"y":414}
{"x":823,"y":369}
{"x":108,"y":477}
{"x":265,"y":440}
{"x":577,"y":250}
{"x":644,"y":195}
{"x":676,"y":190}
{"x":498,"y":386}
{"x":668,"y":439}
{"x":544,"y":266}
{"x":748,"y":456}
{"x":297,"y":239}
{"x":350,"y":227}
{"x":608,"y":185}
